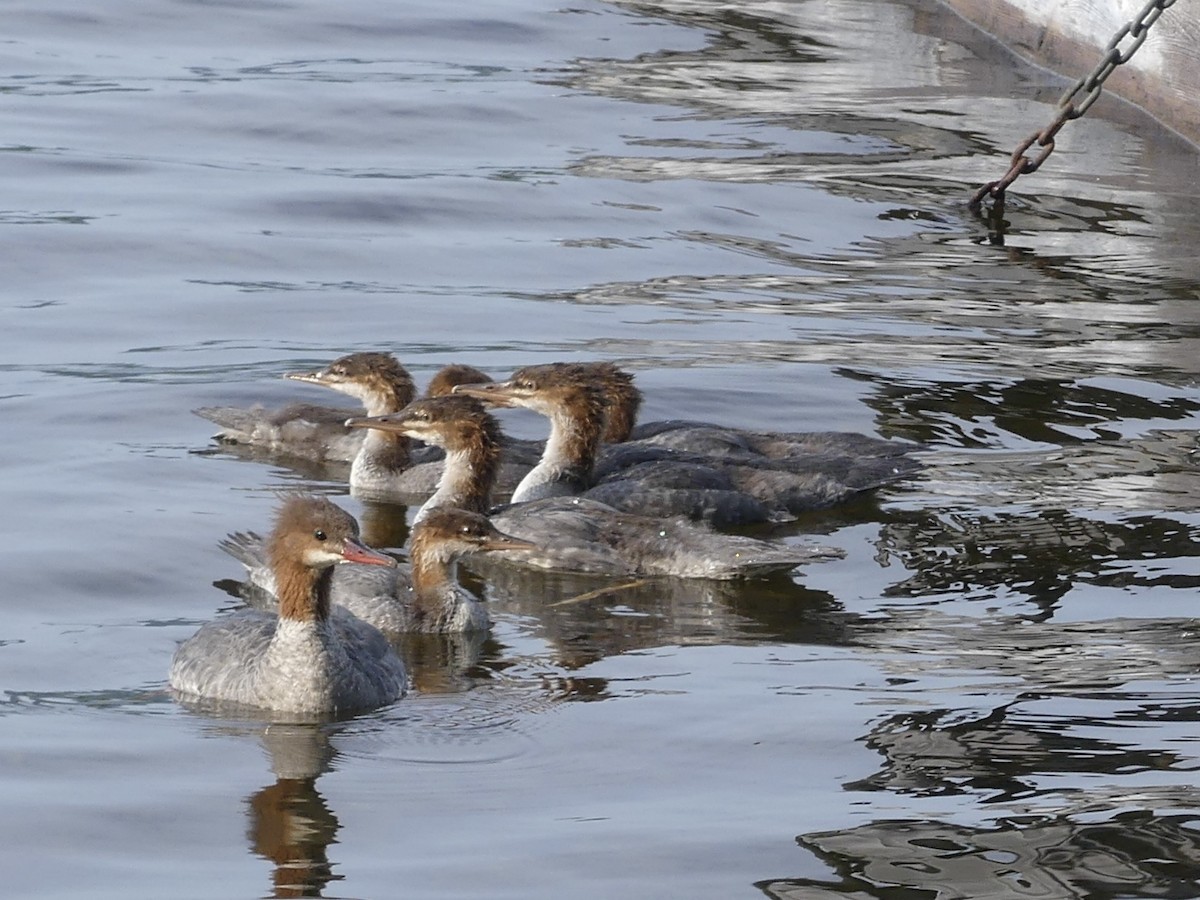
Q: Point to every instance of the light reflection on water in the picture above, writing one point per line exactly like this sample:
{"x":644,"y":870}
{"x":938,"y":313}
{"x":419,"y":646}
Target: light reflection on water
{"x":762,"y":214}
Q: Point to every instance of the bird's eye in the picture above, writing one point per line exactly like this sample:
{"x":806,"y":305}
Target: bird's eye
{"x":320,"y":535}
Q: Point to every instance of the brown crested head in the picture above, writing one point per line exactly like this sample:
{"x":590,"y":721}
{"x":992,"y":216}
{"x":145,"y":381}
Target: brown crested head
{"x":447,"y":377}
{"x":315,"y":533}
{"x":552,"y":389}
{"x":311,"y":535}
{"x":622,"y":398}
{"x":448,"y":532}
{"x":453,"y":422}
{"x":369,"y":374}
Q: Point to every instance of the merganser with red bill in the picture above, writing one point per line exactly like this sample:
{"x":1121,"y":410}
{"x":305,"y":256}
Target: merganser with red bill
{"x":308,"y":658}
{"x":421,"y":597}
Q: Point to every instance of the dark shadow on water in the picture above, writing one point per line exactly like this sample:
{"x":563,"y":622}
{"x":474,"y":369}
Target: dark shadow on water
{"x":584,"y":619}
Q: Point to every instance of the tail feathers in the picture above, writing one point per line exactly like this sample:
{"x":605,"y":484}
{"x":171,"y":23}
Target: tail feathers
{"x":249,"y":548}
{"x":237,"y":424}
{"x":751,"y":558}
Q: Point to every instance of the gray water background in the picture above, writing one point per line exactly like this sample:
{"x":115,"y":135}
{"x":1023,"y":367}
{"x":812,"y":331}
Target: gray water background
{"x":760,"y":211}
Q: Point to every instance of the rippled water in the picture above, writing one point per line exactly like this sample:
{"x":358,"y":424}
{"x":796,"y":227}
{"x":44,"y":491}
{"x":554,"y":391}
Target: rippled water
{"x":759,"y":210}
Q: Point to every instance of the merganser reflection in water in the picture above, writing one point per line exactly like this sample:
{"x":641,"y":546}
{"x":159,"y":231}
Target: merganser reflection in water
{"x":308,"y":658}
{"x":725,"y":476}
{"x":421,"y":597}
{"x":575,"y":533}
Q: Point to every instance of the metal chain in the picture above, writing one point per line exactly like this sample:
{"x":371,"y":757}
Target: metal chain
{"x":1090,"y":86}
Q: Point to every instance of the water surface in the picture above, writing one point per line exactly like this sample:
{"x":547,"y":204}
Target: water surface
{"x":761,"y":212}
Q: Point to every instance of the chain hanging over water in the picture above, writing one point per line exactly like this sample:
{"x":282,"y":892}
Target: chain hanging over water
{"x":1090,"y":86}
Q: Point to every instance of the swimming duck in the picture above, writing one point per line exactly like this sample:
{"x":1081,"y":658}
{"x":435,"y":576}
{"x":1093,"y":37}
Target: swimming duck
{"x":421,"y":597}
{"x":575,"y":533}
{"x":310,"y":431}
{"x":306,"y":658}
{"x":700,"y":471}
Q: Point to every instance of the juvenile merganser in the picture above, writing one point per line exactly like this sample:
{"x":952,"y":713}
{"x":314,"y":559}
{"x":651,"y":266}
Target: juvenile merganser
{"x":577,"y":533}
{"x":646,"y":476}
{"x":315,"y":432}
{"x":421,"y":597}
{"x":622,"y":399}
{"x":708,"y":439}
{"x":305,"y":659}
{"x":471,"y":439}
{"x":384,"y":480}
{"x":383,"y":466}
{"x":447,"y":377}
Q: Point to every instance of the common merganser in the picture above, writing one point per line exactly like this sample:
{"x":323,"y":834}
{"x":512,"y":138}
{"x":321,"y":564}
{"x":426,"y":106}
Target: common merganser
{"x":315,"y":432}
{"x":624,"y":400}
{"x":471,"y":439}
{"x":577,"y":533}
{"x":305,"y":659}
{"x":447,"y":377}
{"x":621,"y":397}
{"x":708,"y":478}
{"x":382,"y":466}
{"x":421,"y":597}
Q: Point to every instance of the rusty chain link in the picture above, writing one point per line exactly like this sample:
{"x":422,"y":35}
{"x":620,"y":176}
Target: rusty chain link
{"x":1092,"y":84}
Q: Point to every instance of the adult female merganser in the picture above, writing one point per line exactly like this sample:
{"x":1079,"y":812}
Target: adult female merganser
{"x":315,"y":432}
{"x":576,"y":533}
{"x":807,"y":471}
{"x":305,"y":659}
{"x":422,"y":597}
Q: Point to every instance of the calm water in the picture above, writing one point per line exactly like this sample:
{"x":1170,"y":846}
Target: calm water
{"x":762,"y":214}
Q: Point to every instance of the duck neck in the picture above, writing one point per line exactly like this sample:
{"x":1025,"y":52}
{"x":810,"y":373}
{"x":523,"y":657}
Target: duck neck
{"x":565,"y":468}
{"x":472,"y":460}
{"x":389,"y":396}
{"x":383,"y":455}
{"x":303,"y":592}
{"x":436,"y":595}
{"x":305,"y":652}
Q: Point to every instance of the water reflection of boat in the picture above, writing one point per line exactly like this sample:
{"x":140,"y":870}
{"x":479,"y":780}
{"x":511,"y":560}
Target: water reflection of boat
{"x":1079,"y":806}
{"x":1131,"y":854}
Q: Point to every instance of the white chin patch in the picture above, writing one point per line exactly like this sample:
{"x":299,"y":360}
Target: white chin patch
{"x":354,"y":389}
{"x":315,"y":558}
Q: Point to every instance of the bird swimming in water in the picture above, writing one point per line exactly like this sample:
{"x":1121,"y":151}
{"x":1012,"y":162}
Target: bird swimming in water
{"x":575,"y":533}
{"x":308,"y":658}
{"x":310,"y":431}
{"x":721,"y":476}
{"x":423,"y":596}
